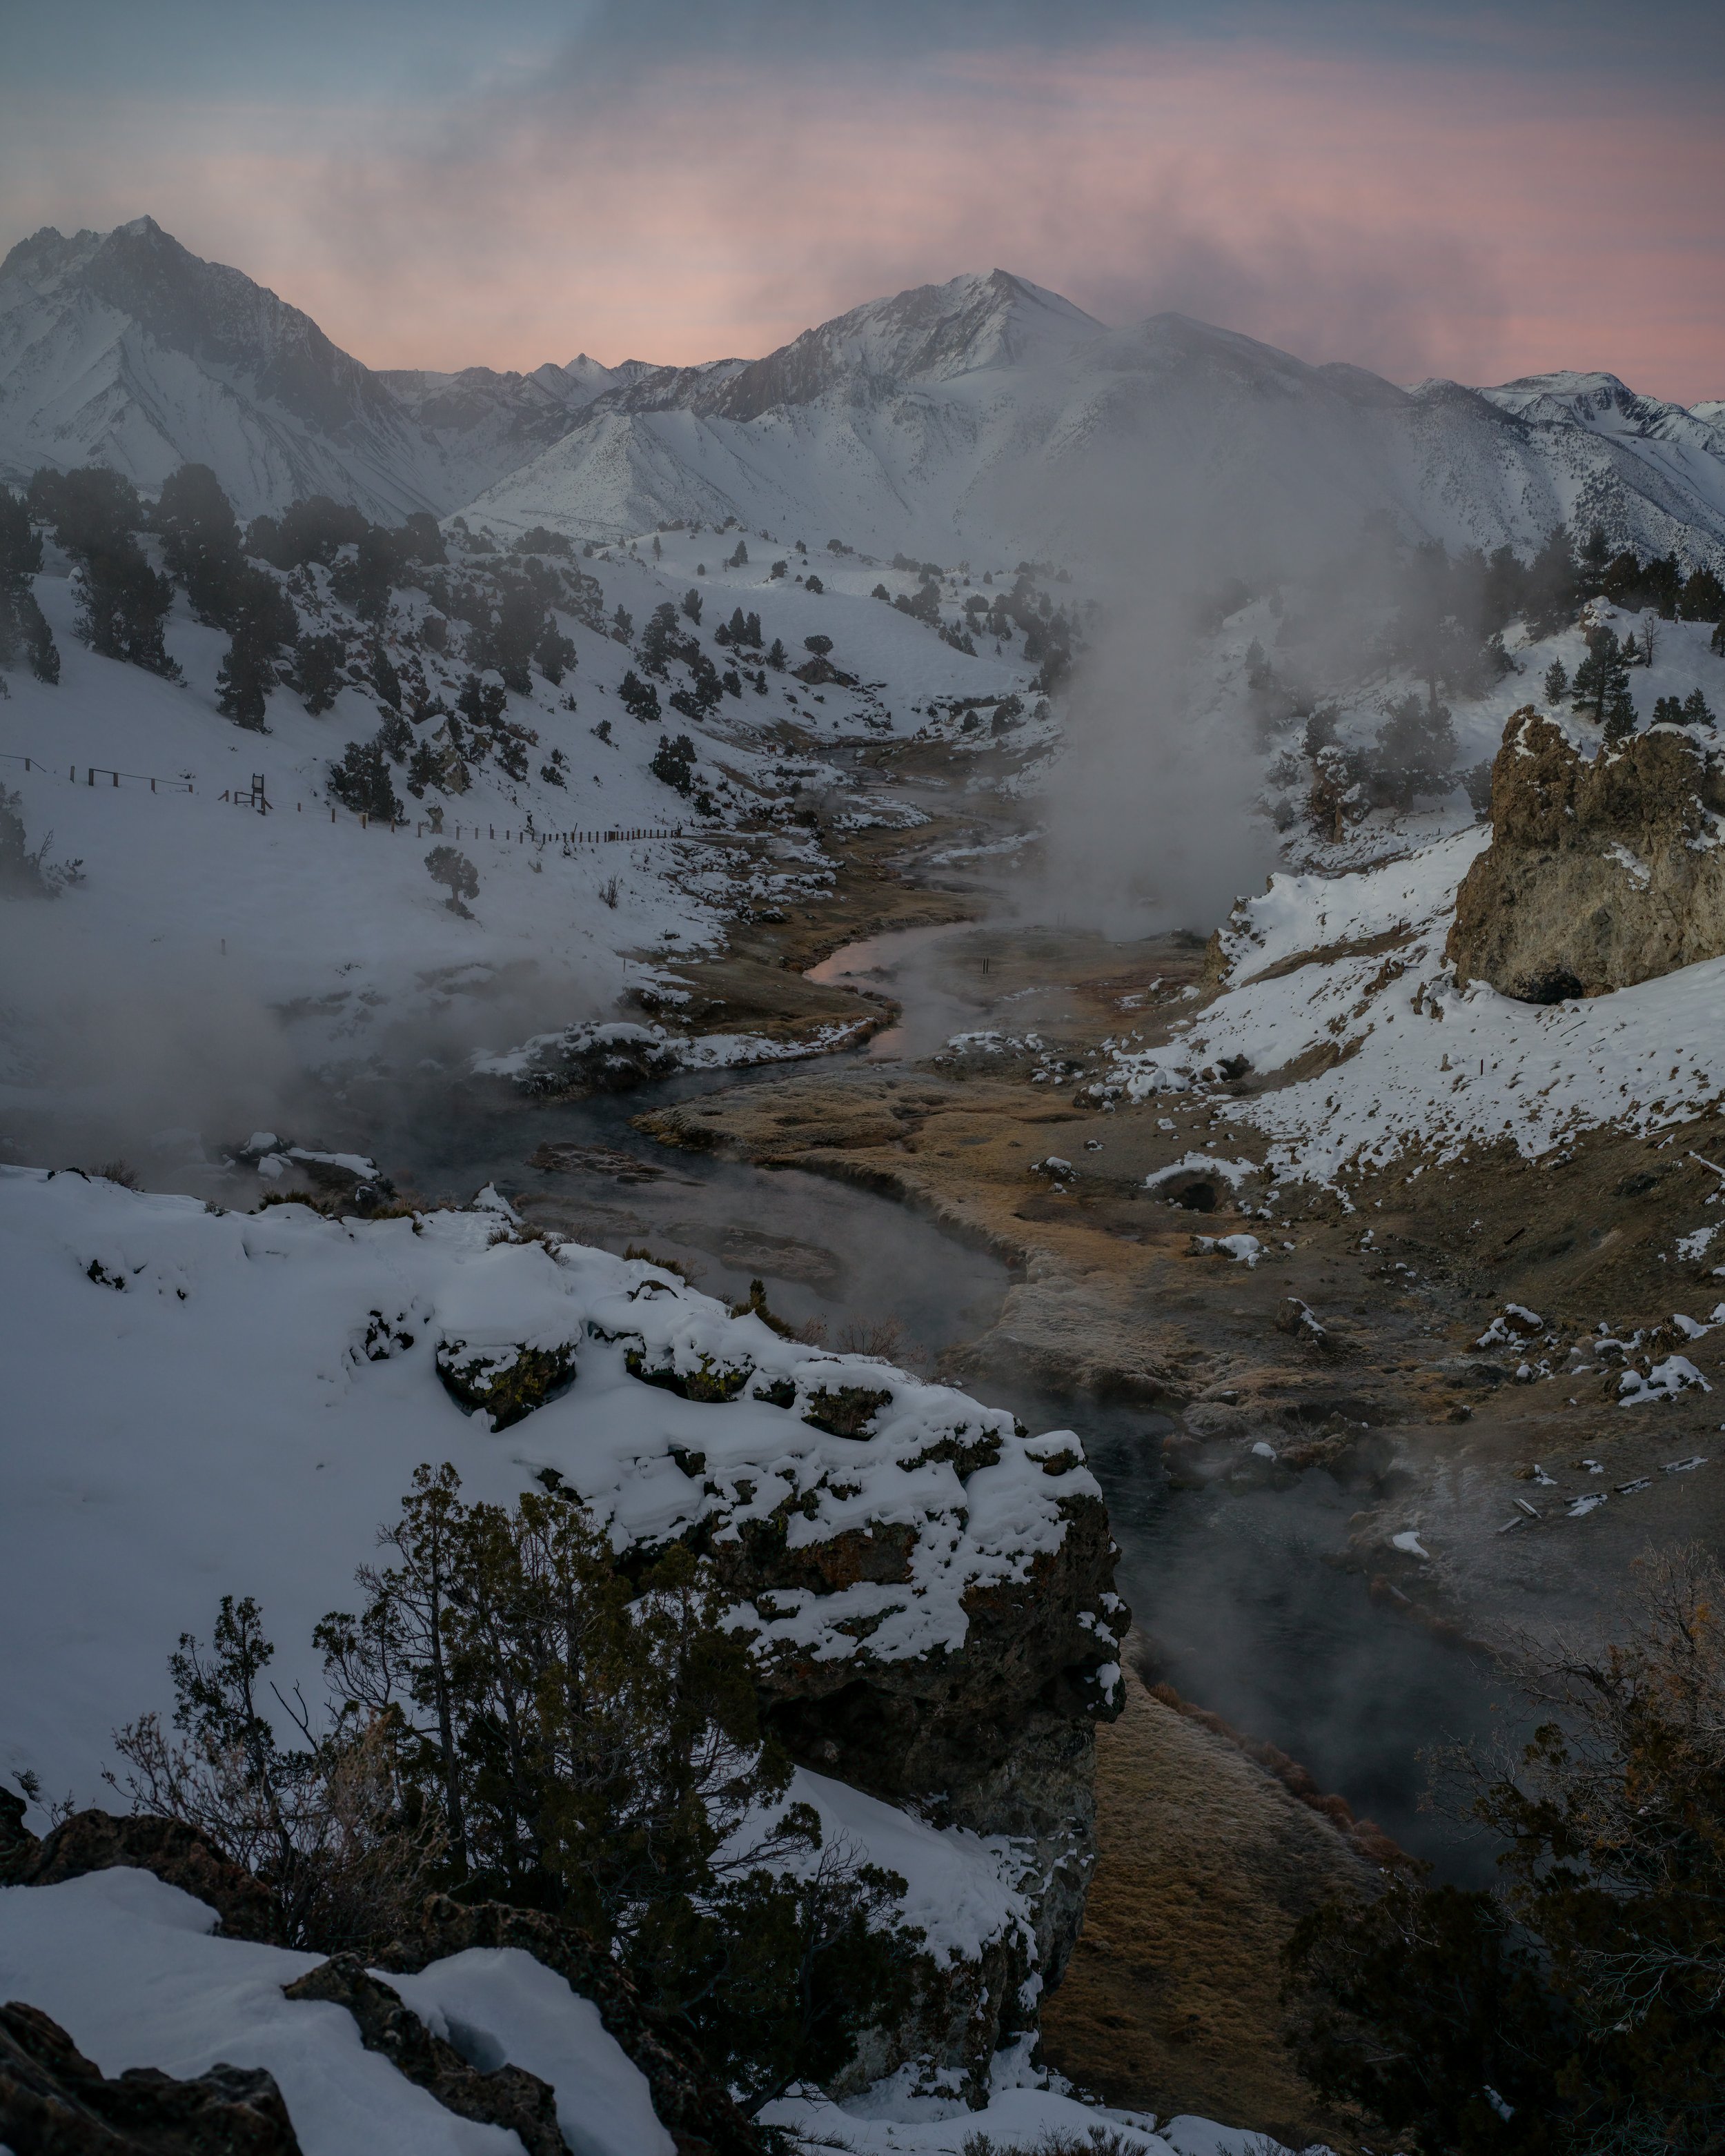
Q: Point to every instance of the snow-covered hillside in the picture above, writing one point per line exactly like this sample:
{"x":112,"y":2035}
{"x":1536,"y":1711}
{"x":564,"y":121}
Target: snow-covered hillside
{"x":988,"y":414}
{"x":302,"y":918}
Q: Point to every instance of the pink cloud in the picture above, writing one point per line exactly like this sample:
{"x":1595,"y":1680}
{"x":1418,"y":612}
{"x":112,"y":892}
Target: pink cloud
{"x":1416,"y":220}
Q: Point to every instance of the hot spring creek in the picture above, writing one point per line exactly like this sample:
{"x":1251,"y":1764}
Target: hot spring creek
{"x":1244,"y":1613}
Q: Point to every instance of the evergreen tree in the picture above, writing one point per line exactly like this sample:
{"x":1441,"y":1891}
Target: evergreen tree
{"x":23,"y":626}
{"x":200,"y":543}
{"x":1620,"y":717}
{"x":314,"y":530}
{"x":819,"y":645}
{"x":482,"y":704}
{"x":739,"y":559}
{"x":385,"y":680}
{"x":1595,"y":555}
{"x":776,"y":656}
{"x":623,"y":626}
{"x":1702,"y":598}
{"x":360,"y":782}
{"x":123,"y":606}
{"x":263,"y":621}
{"x":318,"y":662}
{"x":1602,"y":678}
{"x":1557,"y":682}
{"x":692,"y":604}
{"x":1668,"y":712}
{"x":366,"y":580}
{"x":1553,"y":588}
{"x":459,"y":877}
{"x":640,"y":699}
{"x":674,"y":762}
{"x":1414,"y":751}
{"x":1697,"y":711}
{"x":123,"y":603}
{"x":554,"y":653}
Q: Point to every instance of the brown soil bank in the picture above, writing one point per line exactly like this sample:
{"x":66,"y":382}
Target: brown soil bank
{"x":1204,"y":1865}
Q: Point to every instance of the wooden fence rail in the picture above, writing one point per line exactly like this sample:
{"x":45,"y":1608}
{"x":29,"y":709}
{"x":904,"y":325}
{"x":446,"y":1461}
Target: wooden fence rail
{"x":254,"y":798}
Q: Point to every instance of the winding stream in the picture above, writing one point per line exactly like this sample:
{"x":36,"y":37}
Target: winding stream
{"x":1244,"y":1613}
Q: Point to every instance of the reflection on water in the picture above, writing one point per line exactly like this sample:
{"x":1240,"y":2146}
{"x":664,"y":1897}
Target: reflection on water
{"x":854,"y":1262}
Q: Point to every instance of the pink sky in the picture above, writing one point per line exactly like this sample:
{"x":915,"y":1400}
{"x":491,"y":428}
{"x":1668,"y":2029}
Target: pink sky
{"x":1418,"y":220}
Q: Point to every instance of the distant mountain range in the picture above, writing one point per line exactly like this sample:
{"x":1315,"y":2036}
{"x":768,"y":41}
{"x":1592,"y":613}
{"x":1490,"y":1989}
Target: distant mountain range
{"x":985,"y":415}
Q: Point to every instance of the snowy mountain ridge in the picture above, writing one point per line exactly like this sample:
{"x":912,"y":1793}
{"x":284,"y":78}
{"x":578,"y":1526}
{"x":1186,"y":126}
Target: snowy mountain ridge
{"x":985,"y":414}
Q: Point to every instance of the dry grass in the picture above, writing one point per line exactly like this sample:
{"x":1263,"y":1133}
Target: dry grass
{"x":1171,"y":2003}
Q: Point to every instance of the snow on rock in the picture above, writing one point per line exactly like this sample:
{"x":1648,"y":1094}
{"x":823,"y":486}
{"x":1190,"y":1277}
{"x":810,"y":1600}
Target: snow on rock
{"x":1664,"y":1381}
{"x":1028,"y":2108}
{"x":1341,"y":983}
{"x":203,"y":1410}
{"x":126,"y":1965}
{"x":606,"y":1055}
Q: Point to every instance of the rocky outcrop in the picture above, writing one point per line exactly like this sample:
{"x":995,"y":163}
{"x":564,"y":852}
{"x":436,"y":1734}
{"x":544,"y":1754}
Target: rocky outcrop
{"x":1603,"y":871}
{"x":98,"y":1841}
{"x":508,"y":2096}
{"x":54,"y":2102}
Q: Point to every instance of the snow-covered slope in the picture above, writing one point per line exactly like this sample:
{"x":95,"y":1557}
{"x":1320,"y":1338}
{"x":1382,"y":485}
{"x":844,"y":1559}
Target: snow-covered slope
{"x":298,"y":935}
{"x":483,"y":423}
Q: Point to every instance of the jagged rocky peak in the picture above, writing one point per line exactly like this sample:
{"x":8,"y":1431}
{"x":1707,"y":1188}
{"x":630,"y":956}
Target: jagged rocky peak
{"x":1604,"y":405}
{"x":929,"y":333}
{"x":203,"y":309}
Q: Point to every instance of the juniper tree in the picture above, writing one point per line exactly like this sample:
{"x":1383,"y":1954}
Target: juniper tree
{"x":674,"y":762}
{"x":317,"y":670}
{"x":739,"y":558}
{"x":594,"y":1746}
{"x":360,"y":781}
{"x":819,"y":645}
{"x":1552,"y":586}
{"x":640,"y":699}
{"x":459,"y":877}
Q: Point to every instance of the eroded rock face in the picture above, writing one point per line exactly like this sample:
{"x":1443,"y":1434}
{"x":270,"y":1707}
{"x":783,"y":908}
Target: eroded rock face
{"x":54,"y":2102}
{"x":1602,"y":871}
{"x":98,"y":1841}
